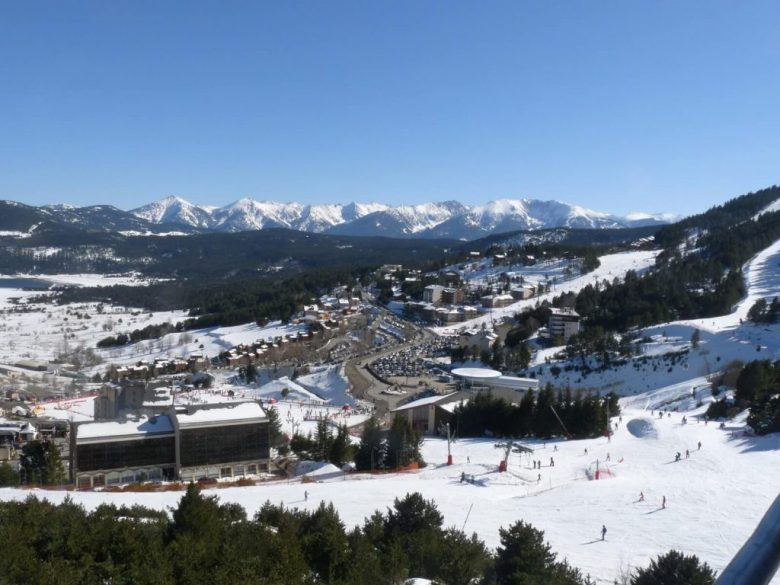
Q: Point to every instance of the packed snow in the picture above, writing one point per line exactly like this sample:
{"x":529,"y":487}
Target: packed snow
{"x":714,"y":497}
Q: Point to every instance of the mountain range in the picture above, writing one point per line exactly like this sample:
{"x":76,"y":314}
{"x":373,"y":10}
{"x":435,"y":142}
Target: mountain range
{"x":444,"y":220}
{"x":448,"y":219}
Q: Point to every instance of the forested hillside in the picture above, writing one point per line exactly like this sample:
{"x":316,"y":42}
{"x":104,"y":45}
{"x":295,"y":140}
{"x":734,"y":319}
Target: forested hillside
{"x":698,"y":273}
{"x":55,"y":249}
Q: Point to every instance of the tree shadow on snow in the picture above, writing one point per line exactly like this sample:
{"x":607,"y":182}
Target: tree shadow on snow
{"x":751,"y":443}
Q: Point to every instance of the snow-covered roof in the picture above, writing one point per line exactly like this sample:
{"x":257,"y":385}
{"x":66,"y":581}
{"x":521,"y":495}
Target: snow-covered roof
{"x":451,"y":406}
{"x":226,"y":414}
{"x":124,"y":430}
{"x":476,"y":373}
{"x":423,"y":402}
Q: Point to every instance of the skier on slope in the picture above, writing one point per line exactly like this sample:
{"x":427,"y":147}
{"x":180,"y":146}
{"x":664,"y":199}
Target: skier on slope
{"x":603,"y":531}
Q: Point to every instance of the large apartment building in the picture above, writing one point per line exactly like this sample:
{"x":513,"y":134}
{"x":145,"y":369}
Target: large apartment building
{"x":564,"y":323}
{"x":188,"y":443}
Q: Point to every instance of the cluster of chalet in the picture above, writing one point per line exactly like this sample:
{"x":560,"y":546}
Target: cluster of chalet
{"x":443,"y":315}
{"x":445,"y":305}
{"x":454,"y":304}
{"x":330,"y":315}
{"x":144,"y":370}
{"x":481,"y":338}
{"x":441,"y":304}
{"x":272,"y":348}
{"x":331,"y":308}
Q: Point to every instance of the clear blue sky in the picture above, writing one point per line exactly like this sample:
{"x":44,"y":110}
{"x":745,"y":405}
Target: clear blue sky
{"x":615,"y":105}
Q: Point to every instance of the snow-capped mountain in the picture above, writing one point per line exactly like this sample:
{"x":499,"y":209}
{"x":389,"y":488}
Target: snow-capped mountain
{"x":250,"y":214}
{"x":176,"y":210}
{"x":401,"y":221}
{"x":448,"y":219}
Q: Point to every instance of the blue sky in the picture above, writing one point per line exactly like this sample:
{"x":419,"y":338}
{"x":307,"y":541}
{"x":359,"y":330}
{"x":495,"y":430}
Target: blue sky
{"x":614,"y":105}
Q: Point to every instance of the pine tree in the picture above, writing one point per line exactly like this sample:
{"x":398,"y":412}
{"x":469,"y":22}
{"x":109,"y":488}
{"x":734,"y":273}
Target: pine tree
{"x":403,"y":444}
{"x":41,"y":462}
{"x":524,"y":356}
{"x":463,"y":560}
{"x":675,"y":568}
{"x":340,"y":448}
{"x":416,"y":524}
{"x":325,"y":543}
{"x":524,"y":557}
{"x":322,"y":441}
{"x":276,"y":437}
{"x":371,"y":452}
{"x":8,"y":476}
{"x":526,"y":410}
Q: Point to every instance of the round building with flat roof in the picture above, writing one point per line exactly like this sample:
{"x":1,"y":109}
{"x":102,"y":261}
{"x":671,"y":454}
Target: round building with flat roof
{"x":476,"y":373}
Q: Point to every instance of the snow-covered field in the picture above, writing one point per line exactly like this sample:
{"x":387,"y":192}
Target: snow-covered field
{"x":715,"y":498}
{"x":210,"y":342}
{"x":42,"y":330}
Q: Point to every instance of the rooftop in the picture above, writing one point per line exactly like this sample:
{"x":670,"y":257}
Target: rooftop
{"x":224,"y":413}
{"x":129,"y":428}
{"x":565,"y":311}
{"x":423,"y":402}
{"x":476,"y":373}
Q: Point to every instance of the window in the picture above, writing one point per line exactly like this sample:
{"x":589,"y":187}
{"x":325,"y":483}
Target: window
{"x":214,"y":445}
{"x":85,"y":482}
{"x":99,"y":480}
{"x":119,"y":454}
{"x":238,"y":471}
{"x":226,"y":472}
{"x":251,"y":469}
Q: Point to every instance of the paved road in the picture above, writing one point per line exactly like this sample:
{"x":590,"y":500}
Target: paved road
{"x":367,"y":387}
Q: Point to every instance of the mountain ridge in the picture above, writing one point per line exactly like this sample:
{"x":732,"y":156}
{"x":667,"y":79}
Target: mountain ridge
{"x":445,"y":219}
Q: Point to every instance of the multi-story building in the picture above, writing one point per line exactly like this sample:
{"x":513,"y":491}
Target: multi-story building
{"x":222,"y":441}
{"x":432,"y":293}
{"x":189,"y":443}
{"x":564,"y":323}
{"x":114,"y":452}
{"x":452,"y":296}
